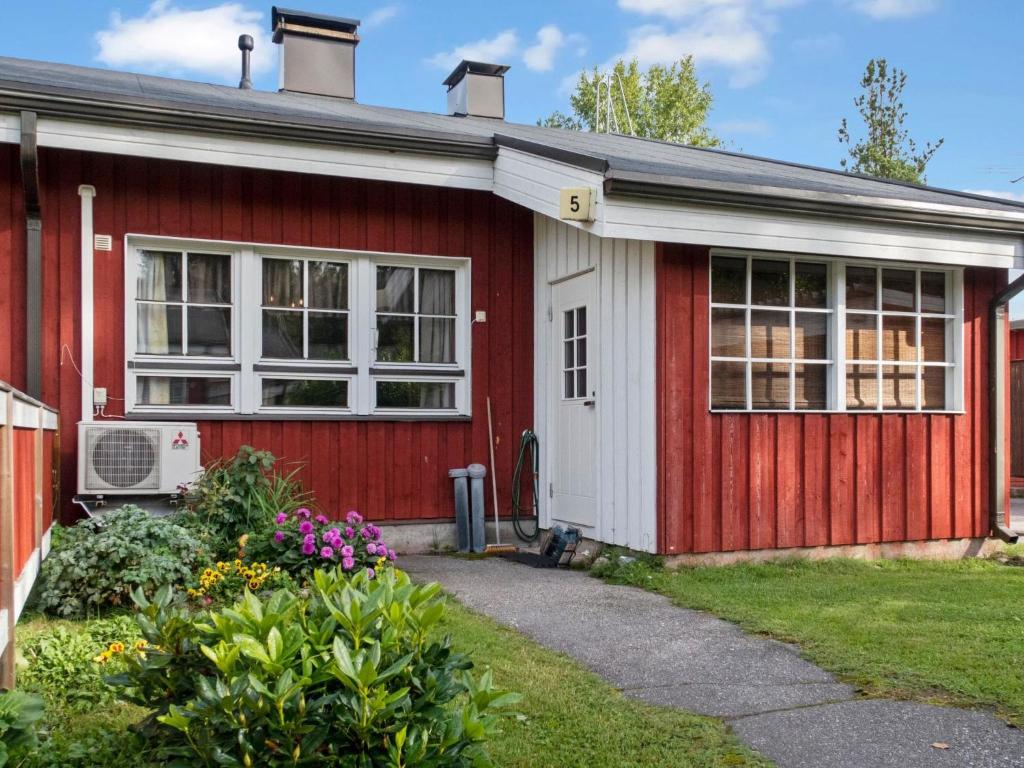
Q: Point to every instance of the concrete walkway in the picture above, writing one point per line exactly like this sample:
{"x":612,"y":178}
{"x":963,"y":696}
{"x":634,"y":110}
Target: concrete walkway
{"x":777,"y":703}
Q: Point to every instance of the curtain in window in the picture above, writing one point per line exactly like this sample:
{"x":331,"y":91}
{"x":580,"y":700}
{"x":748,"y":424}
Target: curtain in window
{"x":152,"y":332}
{"x":437,"y":297}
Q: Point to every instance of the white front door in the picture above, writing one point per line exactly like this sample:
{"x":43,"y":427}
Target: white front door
{"x":573,"y":400}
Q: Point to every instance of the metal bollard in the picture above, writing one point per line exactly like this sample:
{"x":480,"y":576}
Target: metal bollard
{"x":477,"y":473}
{"x":462,"y":533}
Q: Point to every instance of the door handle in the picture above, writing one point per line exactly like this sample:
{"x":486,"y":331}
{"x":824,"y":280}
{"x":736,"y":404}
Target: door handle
{"x":590,"y":403}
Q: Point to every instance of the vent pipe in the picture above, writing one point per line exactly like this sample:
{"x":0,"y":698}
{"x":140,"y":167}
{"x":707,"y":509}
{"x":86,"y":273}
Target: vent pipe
{"x":477,"y":89}
{"x":318,"y":52}
{"x":245,"y":45}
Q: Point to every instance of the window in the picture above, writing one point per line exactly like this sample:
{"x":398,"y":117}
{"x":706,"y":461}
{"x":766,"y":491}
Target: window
{"x":775,"y":322}
{"x":233,"y":328}
{"x":574,"y":342}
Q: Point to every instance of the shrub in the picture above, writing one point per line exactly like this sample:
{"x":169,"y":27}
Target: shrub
{"x":240,"y":496}
{"x":19,"y":714}
{"x":303,"y":542}
{"x":347,"y":678}
{"x":99,"y":561}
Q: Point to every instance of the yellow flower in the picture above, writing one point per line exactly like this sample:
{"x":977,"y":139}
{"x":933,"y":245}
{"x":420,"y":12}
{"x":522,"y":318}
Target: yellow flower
{"x":116,"y":647}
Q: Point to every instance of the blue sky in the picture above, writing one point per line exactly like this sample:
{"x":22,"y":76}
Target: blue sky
{"x":783,"y":72}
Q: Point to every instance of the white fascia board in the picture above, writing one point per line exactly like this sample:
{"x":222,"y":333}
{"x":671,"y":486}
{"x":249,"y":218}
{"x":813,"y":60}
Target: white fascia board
{"x":277,"y":155}
{"x":10,"y":128}
{"x":23,"y":584}
{"x":27,"y":415}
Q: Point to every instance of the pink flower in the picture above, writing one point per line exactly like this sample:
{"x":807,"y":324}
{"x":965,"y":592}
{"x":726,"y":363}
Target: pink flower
{"x":326,"y":553}
{"x":309,"y":538}
{"x":305,"y":527}
{"x":303,"y":512}
{"x":279,"y":536}
{"x":392,"y":555}
{"x":281,"y":518}
{"x":371,"y":573}
{"x":348,"y":563}
{"x":371,"y":548}
{"x":322,"y":519}
{"x":308,"y":548}
{"x":333,"y":533}
{"x":347,"y":551}
{"x":353,"y":518}
{"x":349,"y":532}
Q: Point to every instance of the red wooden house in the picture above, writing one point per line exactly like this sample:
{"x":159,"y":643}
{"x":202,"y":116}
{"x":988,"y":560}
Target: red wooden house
{"x":718,"y":352}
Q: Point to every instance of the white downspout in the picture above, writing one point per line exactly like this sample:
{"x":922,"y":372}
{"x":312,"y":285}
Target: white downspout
{"x":87,"y":192}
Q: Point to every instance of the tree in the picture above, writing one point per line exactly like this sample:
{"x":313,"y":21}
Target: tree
{"x":887,"y":151}
{"x":662,"y":102}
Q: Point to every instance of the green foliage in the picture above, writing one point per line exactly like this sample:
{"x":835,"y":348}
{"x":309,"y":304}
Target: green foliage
{"x":99,"y":561}
{"x":19,"y":714}
{"x":886,"y":151}
{"x":623,"y":566}
{"x":350,"y":677}
{"x":240,"y":496}
{"x":662,"y":102}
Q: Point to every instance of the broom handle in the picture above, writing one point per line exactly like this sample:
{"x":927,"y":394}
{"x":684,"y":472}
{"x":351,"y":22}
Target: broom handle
{"x":494,"y":479}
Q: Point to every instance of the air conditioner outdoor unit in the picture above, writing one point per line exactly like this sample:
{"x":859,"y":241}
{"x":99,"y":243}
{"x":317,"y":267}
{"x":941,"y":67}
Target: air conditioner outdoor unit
{"x":136,"y":457}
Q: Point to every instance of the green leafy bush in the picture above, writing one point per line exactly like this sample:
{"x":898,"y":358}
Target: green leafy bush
{"x":99,"y":561}
{"x":240,"y":496}
{"x":348,"y":677}
{"x":19,"y":714}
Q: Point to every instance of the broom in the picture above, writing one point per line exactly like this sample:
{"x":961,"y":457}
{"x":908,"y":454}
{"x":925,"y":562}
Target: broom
{"x":496,"y":548}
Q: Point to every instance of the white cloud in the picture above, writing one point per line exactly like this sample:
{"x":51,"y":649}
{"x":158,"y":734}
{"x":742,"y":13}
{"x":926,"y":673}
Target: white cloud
{"x":1017,"y":197}
{"x":167,"y":39}
{"x":541,"y":57}
{"x":379,"y":17}
{"x":894,"y":9}
{"x":493,"y":50}
{"x":752,"y":127}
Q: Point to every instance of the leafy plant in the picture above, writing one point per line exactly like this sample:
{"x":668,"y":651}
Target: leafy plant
{"x":240,"y":496}
{"x":228,"y":580}
{"x":350,"y":677}
{"x":19,"y":714}
{"x":99,"y":561}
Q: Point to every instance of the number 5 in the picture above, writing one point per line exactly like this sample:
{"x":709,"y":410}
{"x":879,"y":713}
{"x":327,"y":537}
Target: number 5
{"x":574,"y":203}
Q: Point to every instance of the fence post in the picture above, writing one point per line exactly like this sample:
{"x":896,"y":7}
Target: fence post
{"x":7,"y":540}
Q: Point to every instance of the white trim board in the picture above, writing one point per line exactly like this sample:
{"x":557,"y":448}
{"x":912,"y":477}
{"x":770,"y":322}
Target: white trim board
{"x":10,"y":128}
{"x":25,"y":581}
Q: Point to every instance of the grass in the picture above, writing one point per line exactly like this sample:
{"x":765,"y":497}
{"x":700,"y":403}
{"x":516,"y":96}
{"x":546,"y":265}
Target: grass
{"x":568,"y":716}
{"x":946,"y":632}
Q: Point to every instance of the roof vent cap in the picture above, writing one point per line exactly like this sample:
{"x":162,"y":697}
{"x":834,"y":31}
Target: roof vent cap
{"x":477,"y":89}
{"x":319,"y":52}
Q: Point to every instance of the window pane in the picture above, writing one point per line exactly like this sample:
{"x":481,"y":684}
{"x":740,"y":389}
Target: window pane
{"x":861,"y":337}
{"x":394,"y":339}
{"x":182,"y":390}
{"x":282,"y":334}
{"x":862,"y":387}
{"x":328,"y":335}
{"x":811,"y":335}
{"x":811,"y":285}
{"x":728,"y":333}
{"x":569,"y":360}
{"x":328,"y":285}
{"x":395,"y":291}
{"x":933,"y":388}
{"x":415,"y":394}
{"x":159,"y":276}
{"x":319,"y":393}
{"x":437,"y":340}
{"x":282,"y":283}
{"x":581,"y":321}
{"x":569,"y":326}
{"x":811,"y":386}
{"x":933,"y":340}
{"x":898,"y":290}
{"x":581,"y":351}
{"x":728,"y":280}
{"x":861,"y":288}
{"x":209,"y":278}
{"x":769,"y":283}
{"x":158,"y":330}
{"x":581,"y":382}
{"x":209,"y":331}
{"x":769,"y":385}
{"x":437,"y":292}
{"x":569,"y":384}
{"x":769,"y":333}
{"x":899,"y":338}
{"x":933,"y":292}
{"x":728,"y":385}
{"x":899,"y":387}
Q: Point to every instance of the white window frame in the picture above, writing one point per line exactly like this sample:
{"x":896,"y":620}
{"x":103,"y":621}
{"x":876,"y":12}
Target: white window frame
{"x":836,"y":332}
{"x":246,"y":366}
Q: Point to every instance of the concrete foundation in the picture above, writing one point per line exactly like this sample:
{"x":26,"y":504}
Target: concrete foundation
{"x":436,"y":536}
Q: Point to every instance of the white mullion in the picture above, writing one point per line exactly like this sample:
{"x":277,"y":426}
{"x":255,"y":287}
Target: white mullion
{"x":416,"y":315}
{"x":792,"y":334}
{"x":838,"y":282}
{"x":249,"y":283}
{"x":879,"y":346}
{"x":919,"y":344}
{"x":748,"y":367}
{"x":305,"y":305}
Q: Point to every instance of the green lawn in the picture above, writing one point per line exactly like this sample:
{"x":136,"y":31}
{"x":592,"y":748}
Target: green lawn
{"x":568,"y":716}
{"x":950,"y":632}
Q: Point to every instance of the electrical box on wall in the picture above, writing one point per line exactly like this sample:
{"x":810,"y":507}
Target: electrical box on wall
{"x":577,"y":204}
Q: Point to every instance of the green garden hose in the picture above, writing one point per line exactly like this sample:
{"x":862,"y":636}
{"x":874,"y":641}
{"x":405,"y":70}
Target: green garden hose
{"x":528,"y":442}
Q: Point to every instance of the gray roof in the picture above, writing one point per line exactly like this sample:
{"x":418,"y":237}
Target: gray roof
{"x":625,"y":161}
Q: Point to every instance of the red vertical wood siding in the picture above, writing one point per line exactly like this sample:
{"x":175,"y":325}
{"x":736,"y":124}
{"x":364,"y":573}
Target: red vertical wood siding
{"x":389,"y":470}
{"x":797,"y":480}
{"x":24,"y":497}
{"x":1017,"y":344}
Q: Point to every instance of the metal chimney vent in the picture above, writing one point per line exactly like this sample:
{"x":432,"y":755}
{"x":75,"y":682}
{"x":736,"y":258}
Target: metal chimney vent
{"x":477,"y":89}
{"x":319,"y":53}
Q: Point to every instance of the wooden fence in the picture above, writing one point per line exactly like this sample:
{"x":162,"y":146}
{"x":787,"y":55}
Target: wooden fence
{"x":29,"y":468}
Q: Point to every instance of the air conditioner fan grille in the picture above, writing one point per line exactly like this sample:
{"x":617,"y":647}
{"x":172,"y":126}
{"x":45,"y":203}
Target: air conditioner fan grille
{"x":124,"y":458}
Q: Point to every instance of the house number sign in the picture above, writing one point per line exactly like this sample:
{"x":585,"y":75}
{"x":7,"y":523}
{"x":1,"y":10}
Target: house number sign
{"x":577,"y":204}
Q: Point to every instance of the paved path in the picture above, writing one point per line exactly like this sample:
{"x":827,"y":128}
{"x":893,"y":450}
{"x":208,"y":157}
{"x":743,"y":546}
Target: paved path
{"x":781,"y":705}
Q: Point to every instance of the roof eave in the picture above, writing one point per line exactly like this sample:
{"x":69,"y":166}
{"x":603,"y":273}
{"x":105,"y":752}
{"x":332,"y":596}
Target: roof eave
{"x":717,"y":193}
